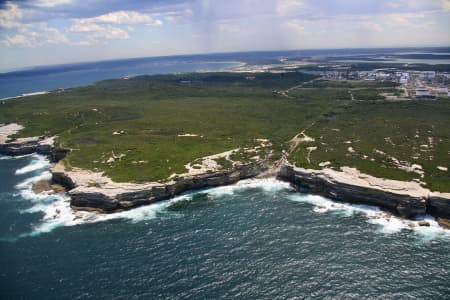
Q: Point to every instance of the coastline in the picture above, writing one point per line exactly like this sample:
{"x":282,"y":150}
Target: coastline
{"x":90,"y":191}
{"x":404,"y":199}
{"x":25,"y":95}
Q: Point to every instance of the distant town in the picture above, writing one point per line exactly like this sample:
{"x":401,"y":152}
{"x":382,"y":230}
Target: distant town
{"x":415,"y":84}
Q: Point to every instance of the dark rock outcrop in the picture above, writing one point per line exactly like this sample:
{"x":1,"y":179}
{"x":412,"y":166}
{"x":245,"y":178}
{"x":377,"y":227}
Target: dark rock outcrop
{"x":28,"y":147}
{"x":313,"y":182}
{"x":93,"y":198}
{"x":445,"y":223}
{"x":438,"y":206}
{"x":58,"y":154}
{"x":62,"y":179}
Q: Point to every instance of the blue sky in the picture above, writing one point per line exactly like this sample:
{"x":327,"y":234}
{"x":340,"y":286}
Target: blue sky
{"x":43,"y":32}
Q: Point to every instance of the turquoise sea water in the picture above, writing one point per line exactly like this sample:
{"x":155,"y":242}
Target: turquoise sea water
{"x":258,"y":239}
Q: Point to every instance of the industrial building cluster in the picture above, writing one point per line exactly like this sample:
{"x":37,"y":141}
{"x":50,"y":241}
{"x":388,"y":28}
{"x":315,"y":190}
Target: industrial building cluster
{"x":416,"y":84}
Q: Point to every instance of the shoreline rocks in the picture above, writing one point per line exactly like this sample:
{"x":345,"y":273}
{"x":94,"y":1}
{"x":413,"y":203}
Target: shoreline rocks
{"x":41,"y":186}
{"x":25,"y":147}
{"x":445,"y":223}
{"x":47,"y":187}
{"x":113,"y":197}
{"x":91,"y":191}
{"x":406,"y":199}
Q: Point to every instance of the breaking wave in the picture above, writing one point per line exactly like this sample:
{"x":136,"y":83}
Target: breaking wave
{"x":57,"y":212}
{"x":3,"y":157}
{"x":387,"y":222}
{"x":39,"y":162}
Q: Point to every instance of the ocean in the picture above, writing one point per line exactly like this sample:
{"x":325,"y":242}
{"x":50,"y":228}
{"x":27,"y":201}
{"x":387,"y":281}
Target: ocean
{"x":72,"y":75}
{"x":258,"y":239}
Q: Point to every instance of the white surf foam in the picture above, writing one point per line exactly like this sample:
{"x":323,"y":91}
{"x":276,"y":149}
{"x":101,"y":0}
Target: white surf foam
{"x":2,"y":157}
{"x":387,"y":222}
{"x":270,"y":185}
{"x":57,"y":211}
{"x":39,"y":162}
{"x":25,"y":186}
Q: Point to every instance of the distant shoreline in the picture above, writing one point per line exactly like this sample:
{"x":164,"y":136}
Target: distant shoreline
{"x":44,"y":80}
{"x":25,"y":95}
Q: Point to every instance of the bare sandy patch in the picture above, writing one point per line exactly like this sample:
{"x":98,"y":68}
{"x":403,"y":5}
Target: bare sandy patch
{"x":7,"y":130}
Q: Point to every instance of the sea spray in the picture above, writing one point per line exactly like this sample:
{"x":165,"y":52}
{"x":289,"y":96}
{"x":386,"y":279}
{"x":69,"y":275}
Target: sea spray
{"x":56,"y":211}
{"x":387,"y":222}
{"x":6,"y":157}
{"x":39,"y":162}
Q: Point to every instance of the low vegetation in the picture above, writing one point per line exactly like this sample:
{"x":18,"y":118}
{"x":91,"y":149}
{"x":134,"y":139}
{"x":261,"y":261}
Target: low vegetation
{"x":147,"y":128}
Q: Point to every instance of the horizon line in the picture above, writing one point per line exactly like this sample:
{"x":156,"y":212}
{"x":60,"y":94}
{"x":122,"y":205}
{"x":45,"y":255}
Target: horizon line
{"x":81,"y":62}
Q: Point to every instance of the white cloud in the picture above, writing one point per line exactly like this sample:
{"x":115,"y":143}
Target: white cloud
{"x":409,"y":21}
{"x":20,"y":33}
{"x":445,"y":4}
{"x":36,"y":35}
{"x":370,"y":26}
{"x":228,"y":27}
{"x":294,"y":25}
{"x":288,"y":7}
{"x":95,"y":32}
{"x":52,"y":36}
{"x":85,"y":27}
{"x":123,"y":18}
{"x":52,"y":3}
{"x":114,"y":25}
{"x":112,"y":33}
{"x":10,"y":16}
{"x":17,"y":40}
{"x":392,"y":4}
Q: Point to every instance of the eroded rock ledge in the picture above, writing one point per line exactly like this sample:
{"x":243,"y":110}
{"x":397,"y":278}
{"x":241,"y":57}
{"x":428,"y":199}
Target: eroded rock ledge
{"x":107,"y":196}
{"x":40,"y":145}
{"x":92,"y":191}
{"x":406,"y":199}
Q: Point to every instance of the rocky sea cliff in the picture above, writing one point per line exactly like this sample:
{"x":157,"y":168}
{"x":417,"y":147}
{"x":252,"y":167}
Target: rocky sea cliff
{"x":406,"y":199}
{"x":93,"y":191}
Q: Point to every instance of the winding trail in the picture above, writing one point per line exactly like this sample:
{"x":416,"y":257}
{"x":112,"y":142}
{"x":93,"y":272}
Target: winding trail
{"x":300,"y":138}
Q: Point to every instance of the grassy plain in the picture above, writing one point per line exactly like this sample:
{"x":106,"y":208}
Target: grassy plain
{"x":137,"y":122}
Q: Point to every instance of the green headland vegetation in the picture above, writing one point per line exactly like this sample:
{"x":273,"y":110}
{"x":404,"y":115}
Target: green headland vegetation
{"x":152,"y":126}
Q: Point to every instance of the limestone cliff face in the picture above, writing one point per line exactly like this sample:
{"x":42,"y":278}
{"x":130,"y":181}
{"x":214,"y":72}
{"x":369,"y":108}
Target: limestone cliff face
{"x":24,"y":148}
{"x":116,"y":198}
{"x":39,"y":145}
{"x":406,"y":199}
{"x":438,"y":205}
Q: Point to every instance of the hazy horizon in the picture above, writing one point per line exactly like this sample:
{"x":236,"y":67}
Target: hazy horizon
{"x":30,"y":67}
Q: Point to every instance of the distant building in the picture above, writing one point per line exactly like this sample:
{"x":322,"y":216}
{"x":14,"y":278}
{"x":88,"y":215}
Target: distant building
{"x":422,"y":92}
{"x":404,"y":80}
{"x":381,"y":75}
{"x":442,"y":90}
{"x":427,"y":75}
